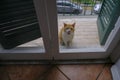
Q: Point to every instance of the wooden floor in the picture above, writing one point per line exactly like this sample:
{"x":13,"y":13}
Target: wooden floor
{"x":86,"y":32}
{"x":72,"y":72}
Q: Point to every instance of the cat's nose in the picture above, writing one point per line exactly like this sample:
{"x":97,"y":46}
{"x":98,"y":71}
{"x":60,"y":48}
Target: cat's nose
{"x":69,"y":32}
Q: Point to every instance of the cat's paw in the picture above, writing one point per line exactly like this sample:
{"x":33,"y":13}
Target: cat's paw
{"x":62,"y":43}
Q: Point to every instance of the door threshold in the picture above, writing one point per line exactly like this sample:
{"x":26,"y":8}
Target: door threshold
{"x":81,"y":50}
{"x":65,"y":62}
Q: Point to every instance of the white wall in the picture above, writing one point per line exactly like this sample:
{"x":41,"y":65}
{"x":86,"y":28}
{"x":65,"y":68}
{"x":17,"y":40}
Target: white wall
{"x":115,"y":55}
{"x":116,"y":70}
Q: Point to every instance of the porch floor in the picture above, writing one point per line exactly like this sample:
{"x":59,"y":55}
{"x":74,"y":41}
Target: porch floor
{"x":86,"y":32}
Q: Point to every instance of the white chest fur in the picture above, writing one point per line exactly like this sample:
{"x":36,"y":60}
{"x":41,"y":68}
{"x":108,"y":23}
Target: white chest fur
{"x":67,"y":37}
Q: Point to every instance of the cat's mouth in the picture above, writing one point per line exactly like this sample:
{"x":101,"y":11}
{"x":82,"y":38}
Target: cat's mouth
{"x":68,"y":33}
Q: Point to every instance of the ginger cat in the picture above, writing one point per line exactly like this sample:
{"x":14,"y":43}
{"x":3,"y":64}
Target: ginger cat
{"x":66,"y":34}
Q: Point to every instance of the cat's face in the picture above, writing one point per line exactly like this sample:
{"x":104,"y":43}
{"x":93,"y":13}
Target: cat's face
{"x":69,"y":28}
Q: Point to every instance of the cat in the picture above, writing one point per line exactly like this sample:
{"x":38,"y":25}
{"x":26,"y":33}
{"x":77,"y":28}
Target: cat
{"x":66,"y":34}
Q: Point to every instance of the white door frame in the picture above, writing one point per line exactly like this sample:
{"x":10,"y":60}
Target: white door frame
{"x":47,"y":17}
{"x":84,"y":53}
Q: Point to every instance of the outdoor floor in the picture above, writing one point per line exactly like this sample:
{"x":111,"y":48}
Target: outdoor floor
{"x":86,"y":32}
{"x":44,"y":72}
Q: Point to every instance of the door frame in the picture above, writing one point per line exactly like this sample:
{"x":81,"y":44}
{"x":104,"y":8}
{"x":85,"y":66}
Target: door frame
{"x":47,"y":18}
{"x":86,"y":53}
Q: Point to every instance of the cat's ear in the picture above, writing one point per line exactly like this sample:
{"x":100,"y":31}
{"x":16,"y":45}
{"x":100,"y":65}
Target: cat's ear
{"x":65,"y":24}
{"x":73,"y":24}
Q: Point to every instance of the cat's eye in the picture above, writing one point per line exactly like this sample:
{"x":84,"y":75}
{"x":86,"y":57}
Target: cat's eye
{"x":71,"y":28}
{"x":67,"y":28}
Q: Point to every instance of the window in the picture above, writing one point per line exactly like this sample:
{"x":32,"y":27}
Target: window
{"x":64,"y":4}
{"x":67,"y":4}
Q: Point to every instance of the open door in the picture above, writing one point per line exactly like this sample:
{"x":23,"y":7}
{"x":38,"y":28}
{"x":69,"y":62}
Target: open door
{"x":24,"y":30}
{"x":107,"y":18}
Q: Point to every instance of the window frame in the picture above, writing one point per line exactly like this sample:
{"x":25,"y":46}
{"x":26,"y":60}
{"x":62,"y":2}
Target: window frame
{"x":43,"y":7}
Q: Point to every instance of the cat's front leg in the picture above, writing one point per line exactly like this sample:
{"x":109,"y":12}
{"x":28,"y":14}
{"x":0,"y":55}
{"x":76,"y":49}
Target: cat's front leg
{"x":62,"y":43}
{"x":68,"y":44}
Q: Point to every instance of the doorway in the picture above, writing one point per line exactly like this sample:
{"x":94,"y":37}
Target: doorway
{"x":48,"y":21}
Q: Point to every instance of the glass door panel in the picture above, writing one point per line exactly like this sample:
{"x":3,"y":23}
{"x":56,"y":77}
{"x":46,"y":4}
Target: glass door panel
{"x":77,"y":33}
{"x":24,"y":28}
{"x":85,"y":27}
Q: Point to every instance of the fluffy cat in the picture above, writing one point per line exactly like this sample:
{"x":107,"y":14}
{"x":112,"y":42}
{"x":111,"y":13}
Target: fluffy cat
{"x":66,"y":34}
